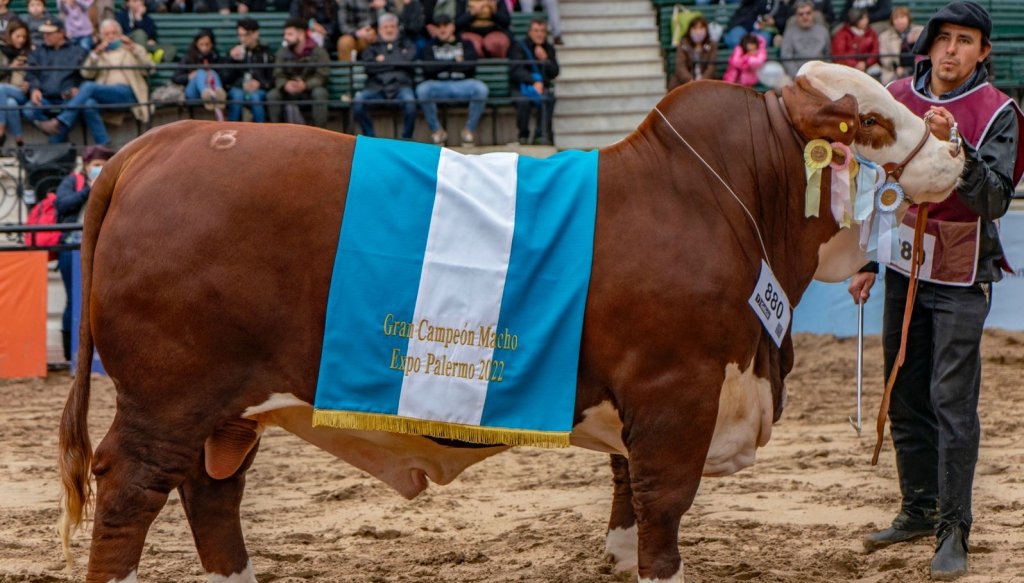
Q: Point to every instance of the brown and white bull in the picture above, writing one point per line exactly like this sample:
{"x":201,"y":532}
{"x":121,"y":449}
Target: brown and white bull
{"x":208,"y":251}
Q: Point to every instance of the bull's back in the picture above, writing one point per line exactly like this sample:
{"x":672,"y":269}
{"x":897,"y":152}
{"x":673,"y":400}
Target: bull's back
{"x":217,"y":249}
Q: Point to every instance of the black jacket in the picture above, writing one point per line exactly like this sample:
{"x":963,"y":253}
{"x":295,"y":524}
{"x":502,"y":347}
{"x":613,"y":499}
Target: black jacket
{"x":449,"y":61}
{"x":394,"y":71}
{"x":522,"y":73}
{"x":259,"y":56}
{"x":55,"y":83}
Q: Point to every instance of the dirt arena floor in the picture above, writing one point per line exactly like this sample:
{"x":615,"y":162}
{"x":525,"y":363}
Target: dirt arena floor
{"x":536,"y":515}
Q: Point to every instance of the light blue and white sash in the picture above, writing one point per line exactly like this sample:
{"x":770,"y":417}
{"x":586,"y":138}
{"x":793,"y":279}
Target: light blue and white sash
{"x":456,"y":302}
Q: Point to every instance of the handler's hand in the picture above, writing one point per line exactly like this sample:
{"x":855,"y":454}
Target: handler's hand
{"x":939,"y":120}
{"x":860,"y":287}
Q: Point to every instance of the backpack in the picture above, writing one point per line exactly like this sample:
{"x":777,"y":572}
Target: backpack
{"x":45,"y":213}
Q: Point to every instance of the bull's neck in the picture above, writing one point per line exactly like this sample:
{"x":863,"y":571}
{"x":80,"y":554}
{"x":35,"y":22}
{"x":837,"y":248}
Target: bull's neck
{"x":762,"y":164}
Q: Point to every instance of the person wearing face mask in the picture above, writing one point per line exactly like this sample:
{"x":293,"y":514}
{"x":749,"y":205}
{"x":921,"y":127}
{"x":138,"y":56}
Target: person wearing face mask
{"x":695,"y":55}
{"x":72,"y":194}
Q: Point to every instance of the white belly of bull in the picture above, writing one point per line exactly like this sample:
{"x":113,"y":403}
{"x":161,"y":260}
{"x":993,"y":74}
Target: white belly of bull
{"x":744,"y":423}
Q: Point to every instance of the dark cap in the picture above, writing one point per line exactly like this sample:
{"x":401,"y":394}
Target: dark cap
{"x":249,"y":24}
{"x":962,"y":13}
{"x":440,"y":19}
{"x":96,"y":153}
{"x":52,"y":25}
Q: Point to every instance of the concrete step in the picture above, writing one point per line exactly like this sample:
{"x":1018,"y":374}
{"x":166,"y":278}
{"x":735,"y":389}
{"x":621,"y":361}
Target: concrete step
{"x":601,"y":22}
{"x":611,"y":38}
{"x":613,"y":122}
{"x":587,"y":88}
{"x":574,"y":9}
{"x":568,"y":55}
{"x":600,"y":71}
{"x":600,"y":104}
{"x":587,"y":141}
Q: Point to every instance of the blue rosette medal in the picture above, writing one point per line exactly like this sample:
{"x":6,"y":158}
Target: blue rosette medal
{"x":888,"y":198}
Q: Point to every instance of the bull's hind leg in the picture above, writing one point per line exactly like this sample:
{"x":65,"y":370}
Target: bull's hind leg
{"x":136,"y":465}
{"x":212,"y":508}
{"x":620,"y":543}
{"x":666,"y":459}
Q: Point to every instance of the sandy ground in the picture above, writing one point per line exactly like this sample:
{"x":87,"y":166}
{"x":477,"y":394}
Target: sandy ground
{"x":536,"y":515}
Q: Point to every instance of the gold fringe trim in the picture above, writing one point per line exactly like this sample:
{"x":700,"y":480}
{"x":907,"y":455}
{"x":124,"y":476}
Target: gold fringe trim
{"x":439,"y":429}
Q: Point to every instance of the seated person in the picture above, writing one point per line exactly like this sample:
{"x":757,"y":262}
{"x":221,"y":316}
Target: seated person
{"x":77,"y":25}
{"x":695,"y":55}
{"x":389,"y":76}
{"x":196,"y":71}
{"x":357,"y":25}
{"x":485,"y":23}
{"x":301,"y":71}
{"x":139,"y":26}
{"x":805,"y":39}
{"x":785,"y":16}
{"x":14,"y":51}
{"x":6,"y":15}
{"x":746,"y":60}
{"x":752,"y":16}
{"x":249,"y":86}
{"x":448,"y":68}
{"x":37,"y":16}
{"x":878,"y":11}
{"x":897,"y":44}
{"x":319,"y":16}
{"x":58,"y":80}
{"x":533,"y":82}
{"x":113,"y":85}
{"x":855,"y":44}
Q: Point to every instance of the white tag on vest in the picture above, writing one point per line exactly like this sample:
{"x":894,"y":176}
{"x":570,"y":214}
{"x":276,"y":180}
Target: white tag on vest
{"x":771,"y":305}
{"x":906,"y":247}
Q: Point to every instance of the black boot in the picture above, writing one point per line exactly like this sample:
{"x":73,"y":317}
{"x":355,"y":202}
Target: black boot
{"x":950,"y":561}
{"x":65,"y":337}
{"x":904,"y":528}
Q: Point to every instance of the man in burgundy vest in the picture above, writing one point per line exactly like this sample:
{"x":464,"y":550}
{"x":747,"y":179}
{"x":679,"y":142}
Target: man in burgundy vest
{"x":934,"y":410}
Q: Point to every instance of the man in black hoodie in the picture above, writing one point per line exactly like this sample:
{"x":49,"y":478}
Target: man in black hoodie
{"x":449,"y":65}
{"x":249,"y":86}
{"x":533,"y":82}
{"x":389,"y":76}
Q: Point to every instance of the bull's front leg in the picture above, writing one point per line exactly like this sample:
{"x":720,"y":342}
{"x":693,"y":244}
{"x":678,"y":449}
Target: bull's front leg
{"x":620,"y":543}
{"x":667,"y":436}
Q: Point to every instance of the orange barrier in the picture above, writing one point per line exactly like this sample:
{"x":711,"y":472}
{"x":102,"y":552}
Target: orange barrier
{"x":23,"y":314}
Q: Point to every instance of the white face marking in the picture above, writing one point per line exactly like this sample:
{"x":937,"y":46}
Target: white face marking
{"x":933,"y":173}
{"x":620,"y":546}
{"x":131,"y":578}
{"x":246,"y":576}
{"x":744,"y":421}
{"x":600,"y":430}
{"x":677,"y":578}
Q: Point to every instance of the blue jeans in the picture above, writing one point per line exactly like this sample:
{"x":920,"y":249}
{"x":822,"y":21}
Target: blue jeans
{"x":12,"y":97}
{"x":407,"y":100}
{"x":91,"y":94}
{"x":472,"y":90}
{"x":201,"y":81}
{"x":83,"y":41}
{"x":254,"y":100}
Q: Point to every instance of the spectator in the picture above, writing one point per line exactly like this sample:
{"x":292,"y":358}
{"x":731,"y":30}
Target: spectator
{"x":249,"y":85}
{"x":752,"y":16}
{"x":196,"y":71}
{"x":746,"y":60}
{"x":137,"y":24}
{"x":357,"y":25}
{"x":412,"y":22}
{"x":114,"y":85}
{"x":247,"y":6}
{"x":14,"y":52}
{"x":77,"y":25}
{"x":896,"y":45}
{"x":805,"y":40}
{"x":485,"y":24}
{"x":448,"y":68}
{"x":319,"y":16}
{"x":434,"y":8}
{"x":878,"y":10}
{"x":389,"y":76}
{"x":554,"y":20}
{"x":533,"y":82}
{"x":6,"y":15}
{"x":72,"y":194}
{"x":786,"y":15}
{"x":37,"y":16}
{"x":58,"y":80}
{"x":300,"y":73}
{"x":855,"y":44}
{"x":695,"y":55}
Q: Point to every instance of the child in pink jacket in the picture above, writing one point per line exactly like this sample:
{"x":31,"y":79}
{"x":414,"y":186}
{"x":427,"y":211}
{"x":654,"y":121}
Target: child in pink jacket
{"x":747,"y":59}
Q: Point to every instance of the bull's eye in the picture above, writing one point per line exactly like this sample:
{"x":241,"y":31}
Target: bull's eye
{"x":867,"y":122}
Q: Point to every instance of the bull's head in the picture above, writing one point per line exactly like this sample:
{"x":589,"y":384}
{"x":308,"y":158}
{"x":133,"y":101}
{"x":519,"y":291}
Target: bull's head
{"x":843,"y":104}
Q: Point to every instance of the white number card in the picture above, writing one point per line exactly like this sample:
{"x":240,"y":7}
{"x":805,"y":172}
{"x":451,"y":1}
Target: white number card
{"x":771,"y":305}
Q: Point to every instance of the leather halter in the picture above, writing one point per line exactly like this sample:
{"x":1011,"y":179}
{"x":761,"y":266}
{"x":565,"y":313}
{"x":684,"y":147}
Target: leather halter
{"x":896,"y":170}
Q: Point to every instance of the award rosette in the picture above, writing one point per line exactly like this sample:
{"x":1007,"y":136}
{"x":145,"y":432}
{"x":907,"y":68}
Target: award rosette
{"x":842,"y":160}
{"x":817,"y":156}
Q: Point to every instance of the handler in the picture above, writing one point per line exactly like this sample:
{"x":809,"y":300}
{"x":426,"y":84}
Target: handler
{"x":934,"y":410}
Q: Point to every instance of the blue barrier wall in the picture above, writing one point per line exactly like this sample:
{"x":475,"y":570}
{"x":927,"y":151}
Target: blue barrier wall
{"x":826,"y":308}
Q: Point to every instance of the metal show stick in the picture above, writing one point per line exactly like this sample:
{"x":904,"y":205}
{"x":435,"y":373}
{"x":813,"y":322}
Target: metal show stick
{"x":860,"y":366}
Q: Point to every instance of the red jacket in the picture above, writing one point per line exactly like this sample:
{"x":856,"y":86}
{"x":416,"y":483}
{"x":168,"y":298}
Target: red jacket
{"x":845,"y":42}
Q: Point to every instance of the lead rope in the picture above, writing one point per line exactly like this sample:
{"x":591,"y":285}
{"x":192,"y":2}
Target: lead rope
{"x":708,"y":166}
{"x":908,"y":310}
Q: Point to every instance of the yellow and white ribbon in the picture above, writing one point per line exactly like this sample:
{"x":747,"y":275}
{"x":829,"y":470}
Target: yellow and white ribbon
{"x":842,"y":212}
{"x":817,"y":155}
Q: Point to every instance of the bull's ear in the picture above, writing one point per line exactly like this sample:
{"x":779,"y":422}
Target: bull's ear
{"x":814,"y":115}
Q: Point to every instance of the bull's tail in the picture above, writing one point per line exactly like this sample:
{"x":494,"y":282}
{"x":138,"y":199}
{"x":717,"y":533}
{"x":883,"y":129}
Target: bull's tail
{"x":75,"y":449}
